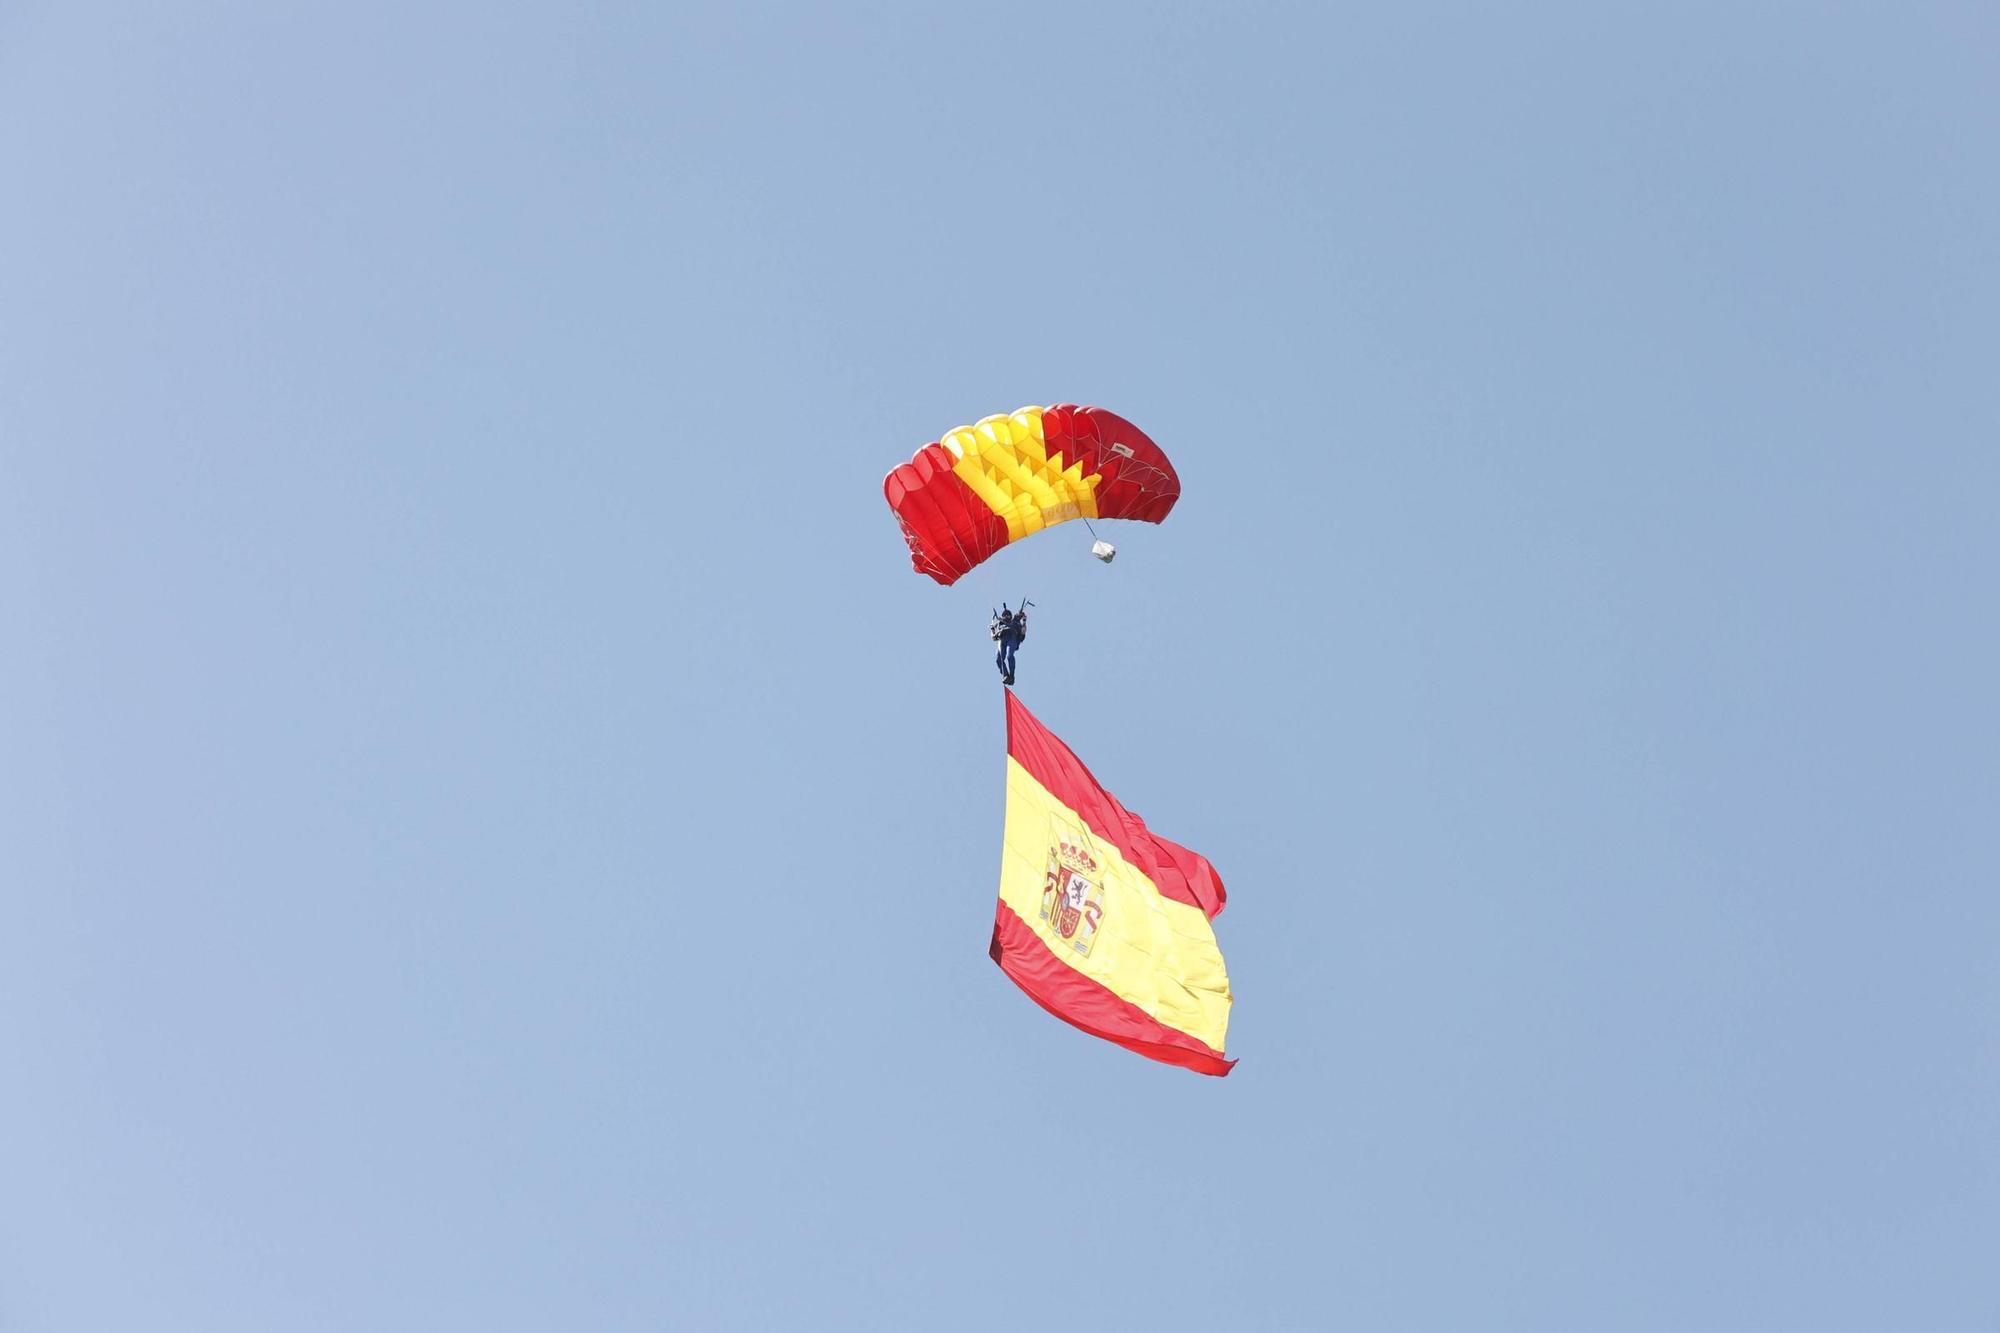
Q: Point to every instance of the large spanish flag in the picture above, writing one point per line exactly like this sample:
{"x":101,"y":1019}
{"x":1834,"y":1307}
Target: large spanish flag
{"x":1102,"y":921}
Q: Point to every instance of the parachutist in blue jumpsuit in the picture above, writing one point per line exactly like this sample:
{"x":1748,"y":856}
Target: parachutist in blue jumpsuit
{"x":1009,"y":629}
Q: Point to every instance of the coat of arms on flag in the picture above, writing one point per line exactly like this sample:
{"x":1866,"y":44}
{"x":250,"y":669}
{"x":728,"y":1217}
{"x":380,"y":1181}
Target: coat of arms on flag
{"x":1072,"y":896}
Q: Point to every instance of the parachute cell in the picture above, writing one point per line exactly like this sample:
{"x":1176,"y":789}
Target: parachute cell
{"x":983,"y":486}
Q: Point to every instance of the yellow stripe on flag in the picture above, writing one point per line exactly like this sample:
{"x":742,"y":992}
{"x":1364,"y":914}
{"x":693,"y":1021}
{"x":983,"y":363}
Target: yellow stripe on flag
{"x":1158,"y":954}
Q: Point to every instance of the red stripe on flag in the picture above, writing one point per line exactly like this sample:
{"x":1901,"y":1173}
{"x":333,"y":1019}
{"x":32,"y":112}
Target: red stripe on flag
{"x":1083,"y":1003}
{"x":1178,"y":873}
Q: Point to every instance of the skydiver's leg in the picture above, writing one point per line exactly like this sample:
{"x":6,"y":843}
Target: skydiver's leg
{"x":1000,"y":657}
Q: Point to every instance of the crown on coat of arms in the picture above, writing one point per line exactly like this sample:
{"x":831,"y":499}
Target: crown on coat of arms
{"x":1074,"y":857}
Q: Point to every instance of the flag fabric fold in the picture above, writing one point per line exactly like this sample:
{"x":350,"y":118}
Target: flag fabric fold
{"x":1101,"y":921}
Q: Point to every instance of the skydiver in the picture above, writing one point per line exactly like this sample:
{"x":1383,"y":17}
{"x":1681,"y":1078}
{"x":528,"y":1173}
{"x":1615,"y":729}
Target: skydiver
{"x":1009,"y":628}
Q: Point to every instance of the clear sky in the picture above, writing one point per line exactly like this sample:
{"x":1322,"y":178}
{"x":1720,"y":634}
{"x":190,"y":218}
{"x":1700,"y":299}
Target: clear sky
{"x":494,"y":836}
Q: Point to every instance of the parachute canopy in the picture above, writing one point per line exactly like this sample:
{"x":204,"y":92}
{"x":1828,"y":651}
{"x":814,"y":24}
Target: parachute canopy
{"x":1008,"y":477}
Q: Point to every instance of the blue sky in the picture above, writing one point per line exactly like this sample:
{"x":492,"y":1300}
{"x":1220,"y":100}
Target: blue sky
{"x":493,"y":835}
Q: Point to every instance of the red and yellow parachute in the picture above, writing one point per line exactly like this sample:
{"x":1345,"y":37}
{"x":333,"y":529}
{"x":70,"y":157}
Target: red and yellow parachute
{"x":1007,"y":477}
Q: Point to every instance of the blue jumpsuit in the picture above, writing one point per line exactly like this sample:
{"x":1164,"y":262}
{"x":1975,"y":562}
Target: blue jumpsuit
{"x":1009,"y":630}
